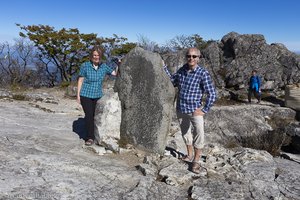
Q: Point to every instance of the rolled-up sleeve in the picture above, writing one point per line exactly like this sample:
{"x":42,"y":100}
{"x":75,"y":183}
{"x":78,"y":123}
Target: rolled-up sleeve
{"x":82,"y":72}
{"x":210,"y":90}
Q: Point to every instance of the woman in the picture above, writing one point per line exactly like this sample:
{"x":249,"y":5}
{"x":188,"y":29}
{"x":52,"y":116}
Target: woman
{"x":89,"y":89}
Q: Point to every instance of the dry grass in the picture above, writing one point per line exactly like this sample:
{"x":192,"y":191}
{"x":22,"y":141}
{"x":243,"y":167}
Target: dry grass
{"x":19,"y":97}
{"x":270,"y":142}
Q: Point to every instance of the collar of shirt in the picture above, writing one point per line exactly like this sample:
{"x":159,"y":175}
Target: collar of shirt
{"x":95,"y":66}
{"x":187,"y":69}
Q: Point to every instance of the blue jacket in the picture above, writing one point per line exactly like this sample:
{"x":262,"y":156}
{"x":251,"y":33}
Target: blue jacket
{"x":254,"y":83}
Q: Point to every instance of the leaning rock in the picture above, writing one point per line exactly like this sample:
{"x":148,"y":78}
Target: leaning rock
{"x":146,"y":95}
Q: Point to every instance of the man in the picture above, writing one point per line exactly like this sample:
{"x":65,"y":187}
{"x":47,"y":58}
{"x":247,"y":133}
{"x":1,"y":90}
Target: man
{"x":254,"y":87}
{"x":192,"y":81}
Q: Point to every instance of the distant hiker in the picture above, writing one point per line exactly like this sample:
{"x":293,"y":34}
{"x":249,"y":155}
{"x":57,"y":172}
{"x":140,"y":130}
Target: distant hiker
{"x":89,"y":89}
{"x":193,"y":81}
{"x":254,"y":87}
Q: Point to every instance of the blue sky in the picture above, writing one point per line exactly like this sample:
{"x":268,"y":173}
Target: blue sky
{"x":159,"y":20}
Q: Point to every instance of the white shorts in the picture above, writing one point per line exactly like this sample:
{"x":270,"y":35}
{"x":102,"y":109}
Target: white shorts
{"x":192,"y":135}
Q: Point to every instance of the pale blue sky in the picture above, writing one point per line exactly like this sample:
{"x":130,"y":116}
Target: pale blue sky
{"x":159,"y":20}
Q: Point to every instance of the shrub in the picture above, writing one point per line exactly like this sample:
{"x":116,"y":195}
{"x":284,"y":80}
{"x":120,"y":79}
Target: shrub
{"x":64,"y":84}
{"x":270,"y":142}
{"x":19,"y":97}
{"x":123,"y":141}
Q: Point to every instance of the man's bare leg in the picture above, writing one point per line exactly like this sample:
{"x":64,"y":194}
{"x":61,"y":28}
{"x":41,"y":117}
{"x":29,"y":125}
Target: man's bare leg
{"x":197,"y":154}
{"x":189,"y":151}
{"x":196,"y":165}
{"x":189,"y":156}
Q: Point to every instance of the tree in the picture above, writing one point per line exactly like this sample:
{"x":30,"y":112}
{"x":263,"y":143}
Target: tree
{"x":123,"y":49}
{"x":16,"y":62}
{"x":115,"y":46}
{"x":199,"y":42}
{"x":182,"y":42}
{"x":147,"y":44}
{"x":61,"y":51}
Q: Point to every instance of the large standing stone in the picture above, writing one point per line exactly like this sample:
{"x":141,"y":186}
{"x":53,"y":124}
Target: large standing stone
{"x":146,"y":95}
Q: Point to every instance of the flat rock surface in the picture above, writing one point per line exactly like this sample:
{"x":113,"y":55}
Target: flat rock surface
{"x":42,"y":157}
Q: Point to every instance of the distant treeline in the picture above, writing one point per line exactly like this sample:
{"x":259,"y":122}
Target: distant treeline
{"x":43,"y":56}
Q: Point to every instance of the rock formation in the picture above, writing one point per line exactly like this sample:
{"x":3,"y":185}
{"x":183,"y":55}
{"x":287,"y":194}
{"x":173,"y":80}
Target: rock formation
{"x":231,"y":61}
{"x":146,"y":95}
{"x":292,"y":97}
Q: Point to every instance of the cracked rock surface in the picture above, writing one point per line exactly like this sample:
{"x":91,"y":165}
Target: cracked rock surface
{"x":43,"y":157}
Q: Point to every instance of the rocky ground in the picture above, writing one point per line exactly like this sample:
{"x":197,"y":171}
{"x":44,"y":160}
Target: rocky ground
{"x":43,"y":157}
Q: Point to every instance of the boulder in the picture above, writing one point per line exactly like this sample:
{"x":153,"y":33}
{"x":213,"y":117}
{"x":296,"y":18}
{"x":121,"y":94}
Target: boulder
{"x":108,"y":120}
{"x":292,"y":96}
{"x":146,"y":95}
{"x":255,"y":126}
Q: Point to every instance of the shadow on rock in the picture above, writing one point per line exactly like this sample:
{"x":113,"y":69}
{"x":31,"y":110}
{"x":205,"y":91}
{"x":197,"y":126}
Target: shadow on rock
{"x":79,"y":128}
{"x":174,"y":152}
{"x":274,"y":100}
{"x":298,"y":115}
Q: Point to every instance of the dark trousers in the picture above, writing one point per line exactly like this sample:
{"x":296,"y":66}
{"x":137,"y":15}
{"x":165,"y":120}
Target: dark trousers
{"x":89,"y":107}
{"x":256,"y":94}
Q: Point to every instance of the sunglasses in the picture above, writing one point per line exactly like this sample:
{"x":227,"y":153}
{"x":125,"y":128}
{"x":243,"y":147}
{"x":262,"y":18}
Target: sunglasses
{"x":192,"y":56}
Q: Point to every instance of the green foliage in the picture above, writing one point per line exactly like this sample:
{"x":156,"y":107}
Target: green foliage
{"x":199,"y":42}
{"x":124,"y":49}
{"x":66,"y":49}
{"x":110,"y":44}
